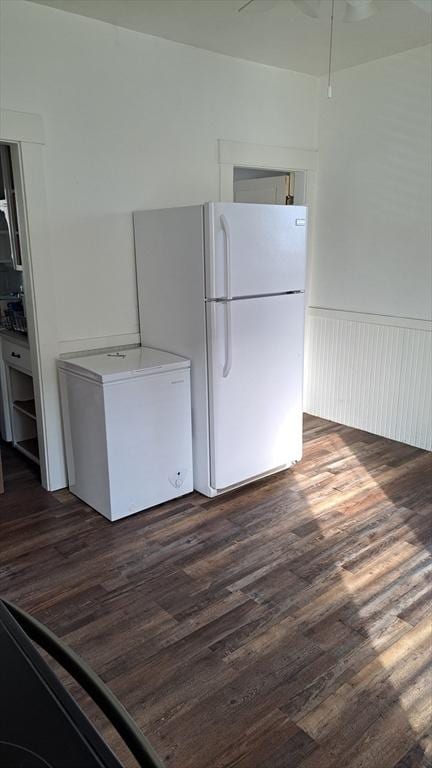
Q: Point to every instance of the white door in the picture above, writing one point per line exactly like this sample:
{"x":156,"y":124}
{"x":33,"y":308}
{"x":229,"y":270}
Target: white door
{"x":268,"y":189}
{"x":255,"y":382}
{"x":254,"y":249}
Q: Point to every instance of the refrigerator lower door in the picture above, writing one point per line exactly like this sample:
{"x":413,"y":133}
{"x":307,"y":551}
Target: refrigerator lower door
{"x":255,"y":386}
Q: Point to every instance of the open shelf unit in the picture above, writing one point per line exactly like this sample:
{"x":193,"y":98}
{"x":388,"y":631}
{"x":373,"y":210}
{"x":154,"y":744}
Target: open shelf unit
{"x":29,"y":448}
{"x":23,"y":413}
{"x":26,"y":406}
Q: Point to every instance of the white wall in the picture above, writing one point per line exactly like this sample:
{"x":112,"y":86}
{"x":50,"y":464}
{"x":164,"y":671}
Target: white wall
{"x":372,"y":267}
{"x":373,"y":236}
{"x":131,"y":121}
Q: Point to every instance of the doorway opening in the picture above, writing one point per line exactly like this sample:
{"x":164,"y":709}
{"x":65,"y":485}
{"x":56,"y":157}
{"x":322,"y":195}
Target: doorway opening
{"x":260,"y":185}
{"x":19,"y":427}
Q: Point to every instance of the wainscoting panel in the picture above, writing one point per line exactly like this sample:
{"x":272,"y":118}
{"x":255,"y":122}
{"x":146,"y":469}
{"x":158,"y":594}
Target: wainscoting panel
{"x":371,"y":372}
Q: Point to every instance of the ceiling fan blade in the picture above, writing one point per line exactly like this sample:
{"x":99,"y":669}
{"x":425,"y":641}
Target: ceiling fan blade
{"x":425,"y":5}
{"x":309,"y":7}
{"x":257,"y":6}
{"x":357,"y":10}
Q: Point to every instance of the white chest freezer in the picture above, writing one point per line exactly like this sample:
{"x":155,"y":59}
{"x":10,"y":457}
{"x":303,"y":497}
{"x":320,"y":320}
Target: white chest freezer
{"x":127,"y":427}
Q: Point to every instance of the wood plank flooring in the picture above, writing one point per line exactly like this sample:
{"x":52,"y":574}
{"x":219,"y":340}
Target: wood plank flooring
{"x":285,"y":625}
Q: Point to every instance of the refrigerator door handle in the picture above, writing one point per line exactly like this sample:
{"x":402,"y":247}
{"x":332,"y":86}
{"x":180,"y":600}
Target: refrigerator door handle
{"x":228,"y":340}
{"x":226,"y":231}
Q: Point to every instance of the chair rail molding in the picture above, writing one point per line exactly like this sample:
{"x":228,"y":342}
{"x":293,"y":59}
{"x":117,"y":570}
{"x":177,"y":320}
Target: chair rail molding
{"x":99,"y":343}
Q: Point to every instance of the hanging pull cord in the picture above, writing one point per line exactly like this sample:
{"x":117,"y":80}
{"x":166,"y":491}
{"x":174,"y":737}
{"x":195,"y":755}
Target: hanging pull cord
{"x":329,"y":85}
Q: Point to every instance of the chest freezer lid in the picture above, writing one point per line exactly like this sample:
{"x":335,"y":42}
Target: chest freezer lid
{"x":122,"y":364}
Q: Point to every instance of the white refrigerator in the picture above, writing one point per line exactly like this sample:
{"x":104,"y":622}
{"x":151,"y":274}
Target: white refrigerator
{"x":223,"y":285}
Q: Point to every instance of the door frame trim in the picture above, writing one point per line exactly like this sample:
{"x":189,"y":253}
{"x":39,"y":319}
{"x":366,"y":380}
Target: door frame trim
{"x":241,"y":154}
{"x":25,"y":134}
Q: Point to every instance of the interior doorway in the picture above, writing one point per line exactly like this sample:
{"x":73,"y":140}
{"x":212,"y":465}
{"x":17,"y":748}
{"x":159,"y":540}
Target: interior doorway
{"x":24,"y":133}
{"x":19,"y":422}
{"x":259,"y":185}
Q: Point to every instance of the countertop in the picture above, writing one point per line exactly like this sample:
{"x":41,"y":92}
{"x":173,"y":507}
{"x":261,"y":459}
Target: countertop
{"x":15,"y":336}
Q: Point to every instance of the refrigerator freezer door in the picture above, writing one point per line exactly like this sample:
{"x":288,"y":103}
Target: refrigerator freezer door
{"x":254,"y":249}
{"x":255,"y":380}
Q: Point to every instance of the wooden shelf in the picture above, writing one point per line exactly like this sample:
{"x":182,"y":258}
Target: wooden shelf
{"x":29,"y":448}
{"x":26,"y":406}
{"x":23,"y":413}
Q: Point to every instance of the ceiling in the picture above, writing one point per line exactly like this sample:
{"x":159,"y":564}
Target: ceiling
{"x":280,"y":36}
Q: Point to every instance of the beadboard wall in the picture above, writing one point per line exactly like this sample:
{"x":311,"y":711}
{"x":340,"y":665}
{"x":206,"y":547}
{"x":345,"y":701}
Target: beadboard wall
{"x":372,"y":372}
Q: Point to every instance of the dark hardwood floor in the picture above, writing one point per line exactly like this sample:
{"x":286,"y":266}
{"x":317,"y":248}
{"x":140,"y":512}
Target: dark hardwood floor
{"x":286,"y":625}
